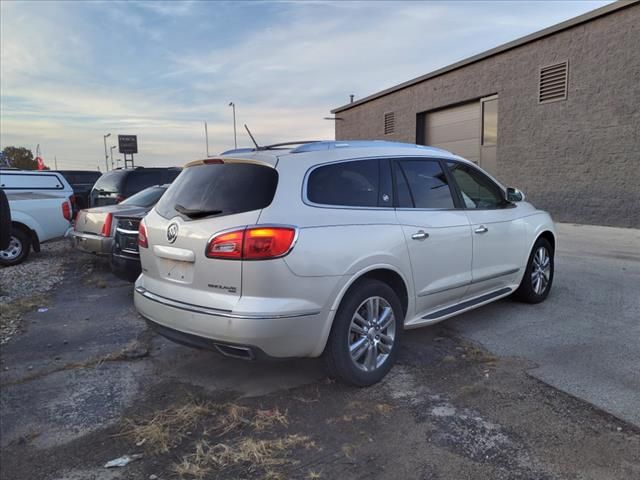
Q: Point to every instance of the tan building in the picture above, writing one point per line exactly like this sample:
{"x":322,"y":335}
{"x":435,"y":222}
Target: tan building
{"x":555,"y":113}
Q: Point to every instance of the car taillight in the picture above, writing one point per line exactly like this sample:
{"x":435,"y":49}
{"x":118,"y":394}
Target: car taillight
{"x":142,"y":236}
{"x":66,"y":210}
{"x":106,"y":226}
{"x":120,"y":198}
{"x":253,"y":243}
{"x":226,"y":245}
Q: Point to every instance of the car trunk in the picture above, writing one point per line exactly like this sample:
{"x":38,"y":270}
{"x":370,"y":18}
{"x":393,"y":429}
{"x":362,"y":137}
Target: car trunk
{"x":175,"y":264}
{"x":92,"y":220}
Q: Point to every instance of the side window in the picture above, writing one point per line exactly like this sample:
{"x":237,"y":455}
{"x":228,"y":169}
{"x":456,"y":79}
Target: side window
{"x":353,"y":184}
{"x":477,"y":190}
{"x":422,"y":184}
{"x":141,"y":179}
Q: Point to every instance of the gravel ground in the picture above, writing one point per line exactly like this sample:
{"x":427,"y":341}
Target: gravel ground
{"x":24,"y":287}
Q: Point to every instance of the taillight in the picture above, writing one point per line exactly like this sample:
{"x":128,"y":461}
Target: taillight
{"x":106,"y":226}
{"x":226,"y":245}
{"x":120,"y":198}
{"x":254,"y":243}
{"x":66,"y":210}
{"x":142,"y":236}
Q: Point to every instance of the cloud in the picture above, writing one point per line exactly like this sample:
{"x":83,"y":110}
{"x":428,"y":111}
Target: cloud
{"x":71,"y":72}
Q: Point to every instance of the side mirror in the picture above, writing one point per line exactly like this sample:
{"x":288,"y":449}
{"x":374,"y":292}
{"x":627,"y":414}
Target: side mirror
{"x":514,"y":195}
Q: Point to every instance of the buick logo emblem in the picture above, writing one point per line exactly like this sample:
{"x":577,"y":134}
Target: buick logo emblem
{"x":172,"y":232}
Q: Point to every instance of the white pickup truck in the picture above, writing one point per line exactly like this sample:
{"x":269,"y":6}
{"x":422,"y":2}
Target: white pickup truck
{"x":41,"y":206}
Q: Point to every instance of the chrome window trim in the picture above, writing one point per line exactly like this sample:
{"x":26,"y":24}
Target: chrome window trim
{"x":214,"y":311}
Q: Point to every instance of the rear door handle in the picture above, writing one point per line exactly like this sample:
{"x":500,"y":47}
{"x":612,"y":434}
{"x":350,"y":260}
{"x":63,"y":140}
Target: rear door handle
{"x":420,"y":235}
{"x":481,"y":229}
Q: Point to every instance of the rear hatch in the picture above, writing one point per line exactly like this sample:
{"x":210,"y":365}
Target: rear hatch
{"x":108,"y":189}
{"x":204,"y":200}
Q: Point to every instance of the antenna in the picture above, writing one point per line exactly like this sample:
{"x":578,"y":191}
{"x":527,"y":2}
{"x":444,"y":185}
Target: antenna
{"x":252,"y":139}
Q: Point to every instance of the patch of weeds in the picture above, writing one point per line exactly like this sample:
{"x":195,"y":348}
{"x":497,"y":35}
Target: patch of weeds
{"x":11,"y":314}
{"x":169,"y":427}
{"x":268,"y":418}
{"x":250,"y":454}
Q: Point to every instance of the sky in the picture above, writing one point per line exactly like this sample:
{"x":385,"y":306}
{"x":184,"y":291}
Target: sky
{"x":71,"y":72}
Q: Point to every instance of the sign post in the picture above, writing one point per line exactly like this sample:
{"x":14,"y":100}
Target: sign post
{"x":128,"y":145}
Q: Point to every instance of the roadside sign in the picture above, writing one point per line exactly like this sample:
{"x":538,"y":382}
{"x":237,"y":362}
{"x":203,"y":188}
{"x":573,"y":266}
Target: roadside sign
{"x":128,"y":143}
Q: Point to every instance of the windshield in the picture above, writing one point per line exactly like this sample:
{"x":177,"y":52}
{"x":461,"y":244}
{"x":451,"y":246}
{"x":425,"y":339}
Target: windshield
{"x":146,"y":198}
{"x":219,"y":189}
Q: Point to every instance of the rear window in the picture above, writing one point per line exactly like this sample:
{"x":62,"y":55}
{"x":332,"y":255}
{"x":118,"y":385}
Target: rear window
{"x":146,"y":198}
{"x":219,"y":189}
{"x":110,"y":182}
{"x":354,"y":184}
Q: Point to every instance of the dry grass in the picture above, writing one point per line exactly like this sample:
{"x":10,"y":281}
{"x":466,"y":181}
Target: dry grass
{"x":11,"y":314}
{"x":264,"y":419}
{"x":168,"y":427}
{"x":252,"y":454}
{"x":384,"y":409}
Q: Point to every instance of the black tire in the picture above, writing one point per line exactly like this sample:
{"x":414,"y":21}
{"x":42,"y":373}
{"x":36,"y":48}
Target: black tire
{"x":526,"y":292}
{"x":20,"y":245}
{"x":336,"y":354}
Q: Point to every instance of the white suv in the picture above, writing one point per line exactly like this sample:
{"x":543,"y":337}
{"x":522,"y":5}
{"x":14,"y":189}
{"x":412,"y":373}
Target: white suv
{"x":333,"y":249}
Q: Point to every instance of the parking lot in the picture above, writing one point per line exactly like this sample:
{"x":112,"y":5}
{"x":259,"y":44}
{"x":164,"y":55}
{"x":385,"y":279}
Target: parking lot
{"x":507,"y":391}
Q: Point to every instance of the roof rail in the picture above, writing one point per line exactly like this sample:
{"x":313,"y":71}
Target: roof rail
{"x":276,"y":146}
{"x":331,"y":145}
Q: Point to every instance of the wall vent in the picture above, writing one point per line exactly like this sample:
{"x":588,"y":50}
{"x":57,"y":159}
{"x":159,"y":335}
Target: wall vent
{"x":553,"y":83}
{"x":389,"y":123}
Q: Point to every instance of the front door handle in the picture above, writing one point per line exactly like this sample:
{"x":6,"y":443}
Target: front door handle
{"x":481,"y":229}
{"x":420,"y":235}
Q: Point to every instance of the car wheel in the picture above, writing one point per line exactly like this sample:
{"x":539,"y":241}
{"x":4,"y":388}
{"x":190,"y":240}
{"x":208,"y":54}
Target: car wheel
{"x":538,"y":277}
{"x":18,"y":249}
{"x":365,"y":336}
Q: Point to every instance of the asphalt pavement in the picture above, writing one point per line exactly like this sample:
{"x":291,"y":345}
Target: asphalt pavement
{"x":585,"y":338}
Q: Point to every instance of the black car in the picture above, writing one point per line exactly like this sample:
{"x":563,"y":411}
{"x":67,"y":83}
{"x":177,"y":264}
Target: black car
{"x":116,"y":185}
{"x":82,"y":181}
{"x":125,"y":259}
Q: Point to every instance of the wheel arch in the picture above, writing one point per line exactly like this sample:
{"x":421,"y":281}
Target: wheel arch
{"x":385,"y":273}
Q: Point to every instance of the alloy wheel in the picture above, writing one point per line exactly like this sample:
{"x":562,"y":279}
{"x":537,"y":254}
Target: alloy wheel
{"x":371,"y":333}
{"x":541,"y":271}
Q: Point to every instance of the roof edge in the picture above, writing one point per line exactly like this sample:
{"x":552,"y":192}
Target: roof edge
{"x":567,"y":24}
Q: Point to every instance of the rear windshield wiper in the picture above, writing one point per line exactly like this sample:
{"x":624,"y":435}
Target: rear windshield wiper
{"x":195,"y":213}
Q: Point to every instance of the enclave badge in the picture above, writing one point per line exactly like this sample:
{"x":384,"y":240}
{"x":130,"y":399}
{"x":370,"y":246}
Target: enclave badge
{"x":172,"y":232}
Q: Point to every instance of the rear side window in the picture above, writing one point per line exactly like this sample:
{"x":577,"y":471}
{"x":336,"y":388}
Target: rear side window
{"x":140,"y":179}
{"x":353,"y":184}
{"x":219,"y":189}
{"x":110,"y":182}
{"x":422,"y":184}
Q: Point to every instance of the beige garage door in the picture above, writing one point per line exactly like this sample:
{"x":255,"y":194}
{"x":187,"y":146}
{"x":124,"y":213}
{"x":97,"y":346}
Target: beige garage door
{"x":456,"y":129}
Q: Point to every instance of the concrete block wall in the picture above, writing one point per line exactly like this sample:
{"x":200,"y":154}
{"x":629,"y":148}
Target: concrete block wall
{"x":578,"y":158}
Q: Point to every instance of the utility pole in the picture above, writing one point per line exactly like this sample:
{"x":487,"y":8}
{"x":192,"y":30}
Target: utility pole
{"x":235,"y":137}
{"x":106,"y":155}
{"x":55,"y":161}
{"x":111,"y":148}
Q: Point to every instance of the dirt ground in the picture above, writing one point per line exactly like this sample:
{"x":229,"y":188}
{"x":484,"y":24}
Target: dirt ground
{"x":86,"y":382}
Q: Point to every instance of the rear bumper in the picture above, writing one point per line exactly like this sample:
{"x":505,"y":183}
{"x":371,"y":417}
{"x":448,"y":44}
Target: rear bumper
{"x":91,"y":243}
{"x":126,"y":267}
{"x":279,"y":336}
